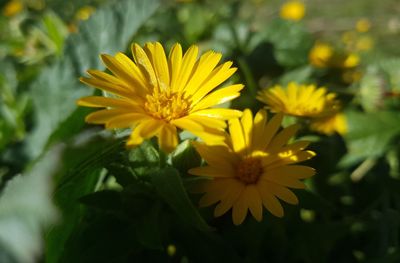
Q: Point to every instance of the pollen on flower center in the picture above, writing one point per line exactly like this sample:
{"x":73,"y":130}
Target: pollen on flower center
{"x":167,"y":105}
{"x":249,"y":170}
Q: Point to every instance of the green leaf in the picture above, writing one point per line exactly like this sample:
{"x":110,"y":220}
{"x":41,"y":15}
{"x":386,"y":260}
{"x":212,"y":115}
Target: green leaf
{"x":26,"y":209}
{"x":291,"y":42}
{"x":169,"y":186}
{"x":83,"y":160}
{"x":57,"y":88}
{"x":185,"y":157}
{"x":144,"y":159}
{"x":370,"y":134}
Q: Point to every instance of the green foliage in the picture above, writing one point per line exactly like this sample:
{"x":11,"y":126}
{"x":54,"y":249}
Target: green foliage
{"x":70,"y":193}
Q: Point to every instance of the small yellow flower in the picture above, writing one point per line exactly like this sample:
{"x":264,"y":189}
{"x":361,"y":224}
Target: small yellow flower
{"x":156,"y":95}
{"x":300,"y":100}
{"x":351,"y":60}
{"x":84,"y":12}
{"x":254,"y":168}
{"x":321,"y":54}
{"x":13,"y":8}
{"x":331,"y":124}
{"x":293,"y":10}
{"x":363,"y":25}
{"x":364,"y":43}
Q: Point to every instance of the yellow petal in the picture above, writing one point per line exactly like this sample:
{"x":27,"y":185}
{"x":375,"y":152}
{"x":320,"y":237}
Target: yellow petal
{"x":254,"y":202}
{"x":208,"y":122}
{"x":216,"y":155}
{"x":222,"y":114}
{"x":133,"y":70}
{"x":247,"y":126}
{"x":269,"y":201}
{"x":168,"y":138}
{"x":213,"y":171}
{"x":104,"y":116}
{"x":234,"y":189}
{"x":161,"y":66}
{"x":236,"y":132}
{"x":126,"y":120}
{"x":270,"y":130}
{"x":220,"y":96}
{"x":122,"y":72}
{"x":144,"y":64}
{"x":144,"y":130}
{"x":187,"y":124}
{"x":202,"y":70}
{"x":99,"y":102}
{"x":108,"y":87}
{"x":282,"y":138}
{"x":282,"y":193}
{"x":258,"y":129}
{"x":282,"y":179}
{"x":188,"y":61}
{"x":239,"y":210}
{"x":175,"y":62}
{"x":216,"y":77}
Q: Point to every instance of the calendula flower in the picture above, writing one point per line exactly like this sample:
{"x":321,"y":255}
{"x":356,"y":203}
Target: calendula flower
{"x":350,"y":61}
{"x":254,"y":168}
{"x":330,"y":124}
{"x":320,"y":55}
{"x":156,"y":95}
{"x":363,"y":25}
{"x":293,"y":10}
{"x":13,"y":8}
{"x":84,"y":12}
{"x":300,"y":100}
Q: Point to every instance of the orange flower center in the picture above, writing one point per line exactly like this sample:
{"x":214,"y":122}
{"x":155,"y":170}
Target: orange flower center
{"x":249,"y":170}
{"x":167,"y":105}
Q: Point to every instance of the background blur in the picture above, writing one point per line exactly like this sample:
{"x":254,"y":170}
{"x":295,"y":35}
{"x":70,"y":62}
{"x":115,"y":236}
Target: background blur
{"x":50,"y":159}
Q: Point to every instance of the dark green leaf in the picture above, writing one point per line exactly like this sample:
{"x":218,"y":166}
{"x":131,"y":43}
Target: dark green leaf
{"x":169,"y":186}
{"x":57,"y":88}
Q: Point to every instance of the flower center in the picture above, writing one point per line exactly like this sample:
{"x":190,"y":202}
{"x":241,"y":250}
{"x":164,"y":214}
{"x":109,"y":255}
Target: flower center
{"x":249,"y":170}
{"x":167,"y":105}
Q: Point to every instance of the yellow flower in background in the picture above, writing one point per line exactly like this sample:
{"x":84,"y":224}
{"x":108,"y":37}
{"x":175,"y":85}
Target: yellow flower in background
{"x":13,"y":8}
{"x":329,"y":125}
{"x":84,"y":12}
{"x":351,"y":60}
{"x":155,"y":95}
{"x":293,"y":10}
{"x":254,"y":168}
{"x":300,"y":100}
{"x":363,"y":25}
{"x":364,"y":43}
{"x":321,"y":54}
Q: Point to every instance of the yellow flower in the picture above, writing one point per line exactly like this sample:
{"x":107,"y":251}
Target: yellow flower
{"x":351,"y":60}
{"x":293,"y":10}
{"x":156,"y":95}
{"x":364,"y":43}
{"x":300,"y":100}
{"x":363,"y":25}
{"x":320,"y":55}
{"x":12,"y":8}
{"x":254,"y":168}
{"x":84,"y":12}
{"x":330,"y":124}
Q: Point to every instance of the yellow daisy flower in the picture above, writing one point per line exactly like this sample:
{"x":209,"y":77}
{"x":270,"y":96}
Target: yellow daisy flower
{"x":321,"y":54}
{"x":156,"y":95}
{"x":330,"y":124}
{"x":293,"y":10}
{"x":300,"y":100}
{"x":254,"y":168}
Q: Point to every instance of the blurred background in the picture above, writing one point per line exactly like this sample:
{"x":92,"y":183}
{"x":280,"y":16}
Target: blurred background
{"x":351,"y":212}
